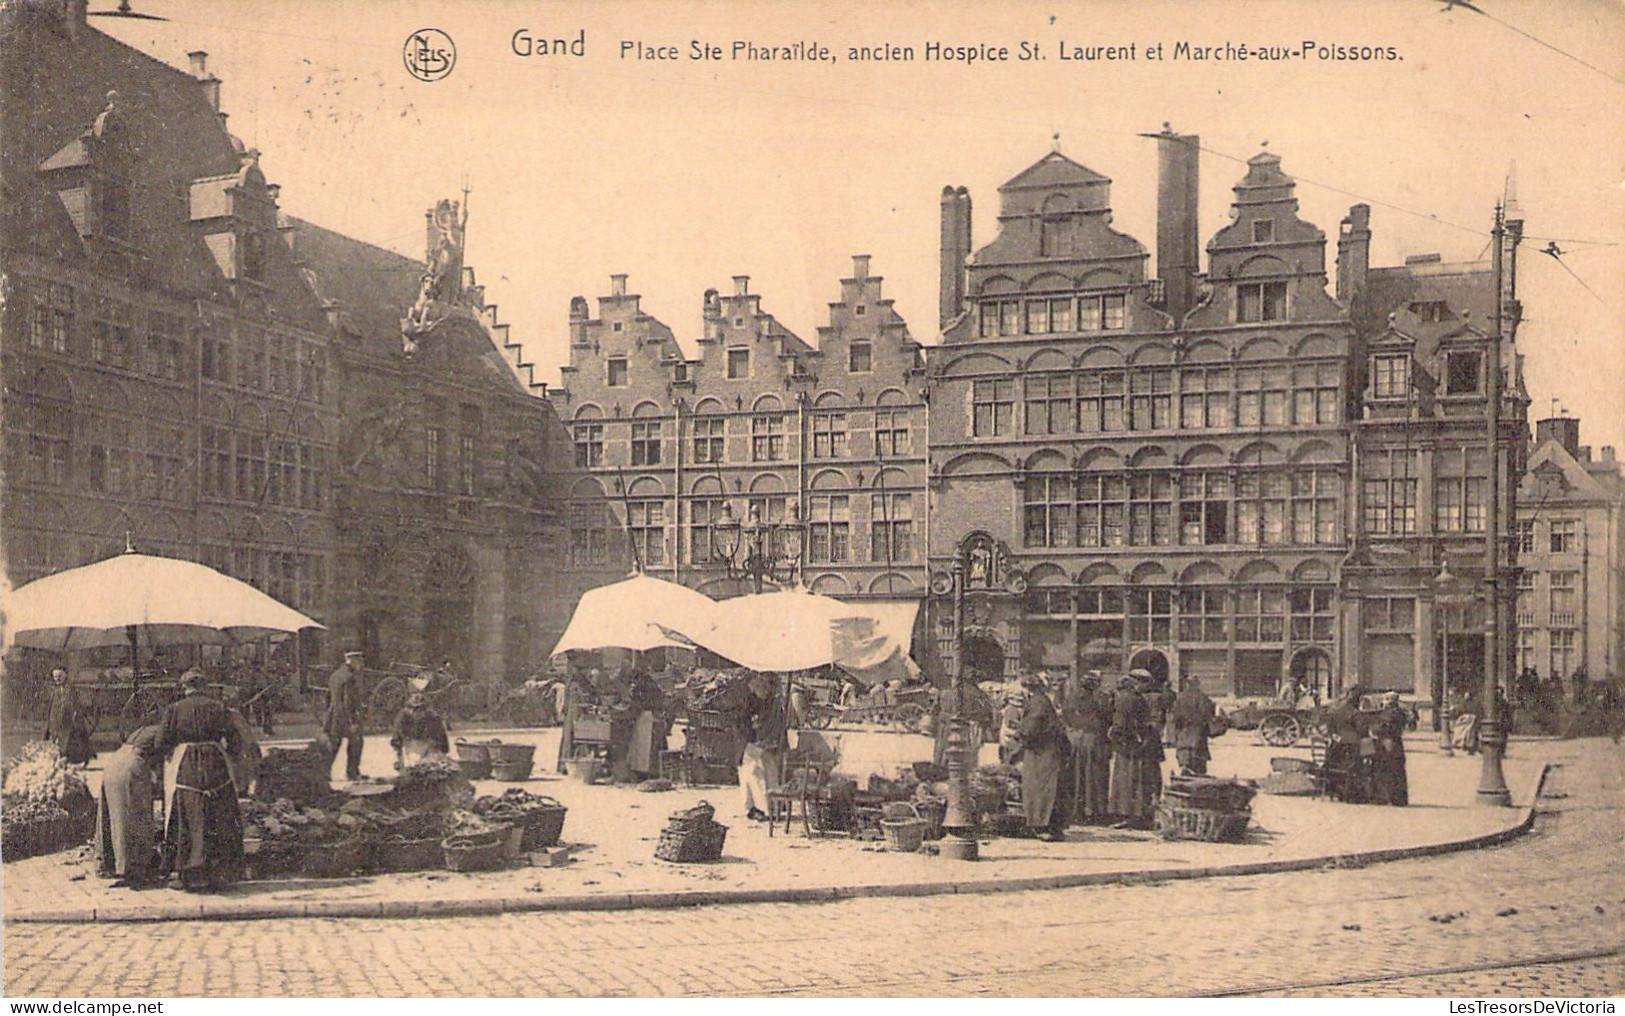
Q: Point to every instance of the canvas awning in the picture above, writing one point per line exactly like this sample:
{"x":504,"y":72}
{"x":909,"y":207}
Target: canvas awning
{"x":638,"y":613}
{"x":797,"y":630}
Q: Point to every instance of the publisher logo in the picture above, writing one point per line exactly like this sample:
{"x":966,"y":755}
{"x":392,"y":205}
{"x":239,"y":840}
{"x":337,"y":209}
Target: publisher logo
{"x":429,"y":54}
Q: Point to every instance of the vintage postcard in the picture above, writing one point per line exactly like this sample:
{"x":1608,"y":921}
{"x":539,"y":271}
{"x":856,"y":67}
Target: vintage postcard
{"x":930,"y":499}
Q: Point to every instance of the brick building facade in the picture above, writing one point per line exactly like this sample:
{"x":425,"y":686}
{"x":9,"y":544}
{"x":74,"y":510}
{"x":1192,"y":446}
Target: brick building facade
{"x":759,"y":421}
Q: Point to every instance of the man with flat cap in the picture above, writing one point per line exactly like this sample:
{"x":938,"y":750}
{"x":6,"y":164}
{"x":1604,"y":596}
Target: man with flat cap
{"x":344,"y":712}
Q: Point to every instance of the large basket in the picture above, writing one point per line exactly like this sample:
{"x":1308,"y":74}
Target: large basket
{"x":1176,"y":823}
{"x":470,"y":853}
{"x":904,"y":834}
{"x":698,"y":842}
{"x":474,"y":759}
{"x":510,"y":754}
{"x":412,"y":855}
{"x":546,"y":826}
{"x":337,"y":860}
{"x":512,"y":772}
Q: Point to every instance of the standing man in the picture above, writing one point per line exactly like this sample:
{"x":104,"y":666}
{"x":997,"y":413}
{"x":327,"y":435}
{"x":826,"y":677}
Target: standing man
{"x":344,"y":712}
{"x":65,"y":724}
{"x":1087,"y":715}
{"x":766,"y":738}
{"x":1044,"y":749}
{"x":1192,"y":715}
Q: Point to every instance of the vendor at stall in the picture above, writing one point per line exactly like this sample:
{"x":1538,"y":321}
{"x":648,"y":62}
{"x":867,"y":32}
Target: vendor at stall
{"x":766,"y":740}
{"x":126,"y":839}
{"x":203,"y":831}
{"x":1087,"y":713}
{"x":647,"y":704}
{"x":419,"y":730}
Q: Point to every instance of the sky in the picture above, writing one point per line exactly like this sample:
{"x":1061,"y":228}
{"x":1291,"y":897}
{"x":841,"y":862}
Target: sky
{"x":683,"y":173}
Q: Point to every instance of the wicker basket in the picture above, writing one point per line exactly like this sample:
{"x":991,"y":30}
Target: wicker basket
{"x":904,"y":834}
{"x":474,"y":769}
{"x":512,"y":772}
{"x":545,"y":826}
{"x":486,"y":852}
{"x":586,"y":769}
{"x":508,"y":754}
{"x":412,"y":855}
{"x":697,"y":842}
{"x":1176,"y":823}
{"x":336,"y":860}
{"x":473,"y":751}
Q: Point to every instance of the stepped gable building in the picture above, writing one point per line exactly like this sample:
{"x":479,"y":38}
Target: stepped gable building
{"x":1414,"y":585}
{"x":192,"y":373}
{"x":1571,"y":542}
{"x":1130,"y":471}
{"x":759,"y":421}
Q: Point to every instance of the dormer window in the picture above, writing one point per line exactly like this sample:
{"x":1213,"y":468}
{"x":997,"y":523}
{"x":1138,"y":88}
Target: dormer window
{"x":1105,"y":312}
{"x":616,"y":372}
{"x":1461,"y":373}
{"x":1390,"y":376}
{"x":1261,"y":301}
{"x":253,"y":256}
{"x":114,"y":207}
{"x":1263,"y":230}
{"x":90,"y":175}
{"x":1431,"y":310}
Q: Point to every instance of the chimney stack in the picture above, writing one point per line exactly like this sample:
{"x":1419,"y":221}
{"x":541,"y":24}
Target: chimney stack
{"x":1565,"y":430}
{"x":1178,"y":264}
{"x":210,"y":83}
{"x":617,"y":285}
{"x":1353,"y":252}
{"x":200,"y":62}
{"x":860,"y":266}
{"x":956,"y":245}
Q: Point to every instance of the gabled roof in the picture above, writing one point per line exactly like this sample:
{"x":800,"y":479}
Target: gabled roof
{"x":374,"y":287}
{"x":1581,"y":482}
{"x":1053,"y":170}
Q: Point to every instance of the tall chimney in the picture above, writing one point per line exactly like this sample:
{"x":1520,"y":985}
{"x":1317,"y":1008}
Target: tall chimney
{"x":1178,"y":158}
{"x":200,"y":70}
{"x":1353,"y":252}
{"x":956,"y":244}
{"x":1565,"y":430}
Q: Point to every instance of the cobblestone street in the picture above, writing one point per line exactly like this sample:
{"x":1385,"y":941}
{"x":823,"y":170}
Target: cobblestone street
{"x":1511,"y":919}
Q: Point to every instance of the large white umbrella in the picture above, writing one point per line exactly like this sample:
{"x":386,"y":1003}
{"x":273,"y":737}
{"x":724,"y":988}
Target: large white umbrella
{"x":794,"y":629}
{"x":160,"y":600}
{"x":637,"y":613}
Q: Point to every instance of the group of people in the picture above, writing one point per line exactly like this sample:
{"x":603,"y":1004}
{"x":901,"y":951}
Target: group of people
{"x":1365,"y":761}
{"x":639,"y":721}
{"x":419,"y":729}
{"x":1095,"y":754}
{"x":207,"y":754}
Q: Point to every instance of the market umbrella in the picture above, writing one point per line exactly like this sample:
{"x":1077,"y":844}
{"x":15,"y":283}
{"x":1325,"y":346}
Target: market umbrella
{"x":160,"y":600}
{"x":637,"y":613}
{"x":794,"y":629}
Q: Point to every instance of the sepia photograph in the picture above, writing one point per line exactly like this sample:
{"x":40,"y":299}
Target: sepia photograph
{"x":719,"y":499}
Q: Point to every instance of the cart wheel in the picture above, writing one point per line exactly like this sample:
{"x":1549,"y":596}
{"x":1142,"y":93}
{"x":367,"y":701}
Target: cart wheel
{"x":908,"y":717}
{"x":387,"y":700}
{"x":820,"y":717}
{"x":1279,"y":731}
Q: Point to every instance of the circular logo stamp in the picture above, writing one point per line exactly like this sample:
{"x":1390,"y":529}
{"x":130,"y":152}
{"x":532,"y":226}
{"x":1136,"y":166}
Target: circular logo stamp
{"x":429,"y":54}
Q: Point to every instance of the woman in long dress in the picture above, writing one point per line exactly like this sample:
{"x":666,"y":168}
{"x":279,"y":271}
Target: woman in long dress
{"x":126,"y":838}
{"x":1130,"y":718}
{"x":1044,"y":751}
{"x":1088,"y":715}
{"x":648,"y":704}
{"x":203,"y":830}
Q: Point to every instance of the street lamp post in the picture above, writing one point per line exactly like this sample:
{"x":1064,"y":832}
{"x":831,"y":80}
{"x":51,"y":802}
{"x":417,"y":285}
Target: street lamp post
{"x":1492,"y":784}
{"x":772,"y":550}
{"x":1444,"y":594}
{"x":959,"y":822}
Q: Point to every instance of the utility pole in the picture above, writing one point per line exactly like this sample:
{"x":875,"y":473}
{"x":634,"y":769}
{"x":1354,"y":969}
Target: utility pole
{"x":1492,"y":784}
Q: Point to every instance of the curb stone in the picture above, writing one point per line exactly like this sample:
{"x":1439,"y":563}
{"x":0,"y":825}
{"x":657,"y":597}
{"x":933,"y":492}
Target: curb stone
{"x":659,"y":900}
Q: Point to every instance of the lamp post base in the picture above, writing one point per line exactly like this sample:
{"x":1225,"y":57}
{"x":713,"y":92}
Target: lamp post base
{"x":1492,"y":781}
{"x":957,"y":848}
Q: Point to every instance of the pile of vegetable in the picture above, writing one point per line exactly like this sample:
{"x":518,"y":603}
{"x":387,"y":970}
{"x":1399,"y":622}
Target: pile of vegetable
{"x":46,"y":805}
{"x":297,"y":774}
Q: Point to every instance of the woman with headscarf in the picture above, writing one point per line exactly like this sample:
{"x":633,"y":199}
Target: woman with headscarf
{"x":1126,"y":797}
{"x":1044,"y":748}
{"x":203,"y":830}
{"x":419,"y":731}
{"x":648,"y":738}
{"x":1087,"y":714}
{"x":1345,"y":769}
{"x":126,"y":838}
{"x":1387,"y":767}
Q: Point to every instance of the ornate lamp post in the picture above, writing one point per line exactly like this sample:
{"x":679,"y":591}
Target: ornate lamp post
{"x":959,"y":823}
{"x":1492,"y":784}
{"x":771,"y":550}
{"x":1446,"y":591}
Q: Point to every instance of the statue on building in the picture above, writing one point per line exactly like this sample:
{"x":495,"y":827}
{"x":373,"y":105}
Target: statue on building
{"x":441,"y":286}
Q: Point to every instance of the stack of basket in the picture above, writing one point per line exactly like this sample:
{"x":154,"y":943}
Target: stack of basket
{"x":511,"y":763}
{"x":1205,"y":808}
{"x":692,"y":835}
{"x":474,"y":758}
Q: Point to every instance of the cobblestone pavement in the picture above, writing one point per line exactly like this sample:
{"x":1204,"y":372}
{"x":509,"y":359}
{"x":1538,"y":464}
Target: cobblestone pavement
{"x":1511,"y":918}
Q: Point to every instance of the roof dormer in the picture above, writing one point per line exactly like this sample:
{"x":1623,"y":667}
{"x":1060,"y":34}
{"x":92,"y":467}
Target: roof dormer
{"x":237,"y":213}
{"x":91,"y":176}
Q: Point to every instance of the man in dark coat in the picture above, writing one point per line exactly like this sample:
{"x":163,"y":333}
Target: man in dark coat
{"x":203,"y":831}
{"x":1192,"y":715}
{"x":1344,"y":765}
{"x":1130,"y":719}
{"x":344,"y":712}
{"x":65,"y":725}
{"x":1044,"y":750}
{"x":1387,"y":767}
{"x":1157,"y":702}
{"x":1088,"y":715}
